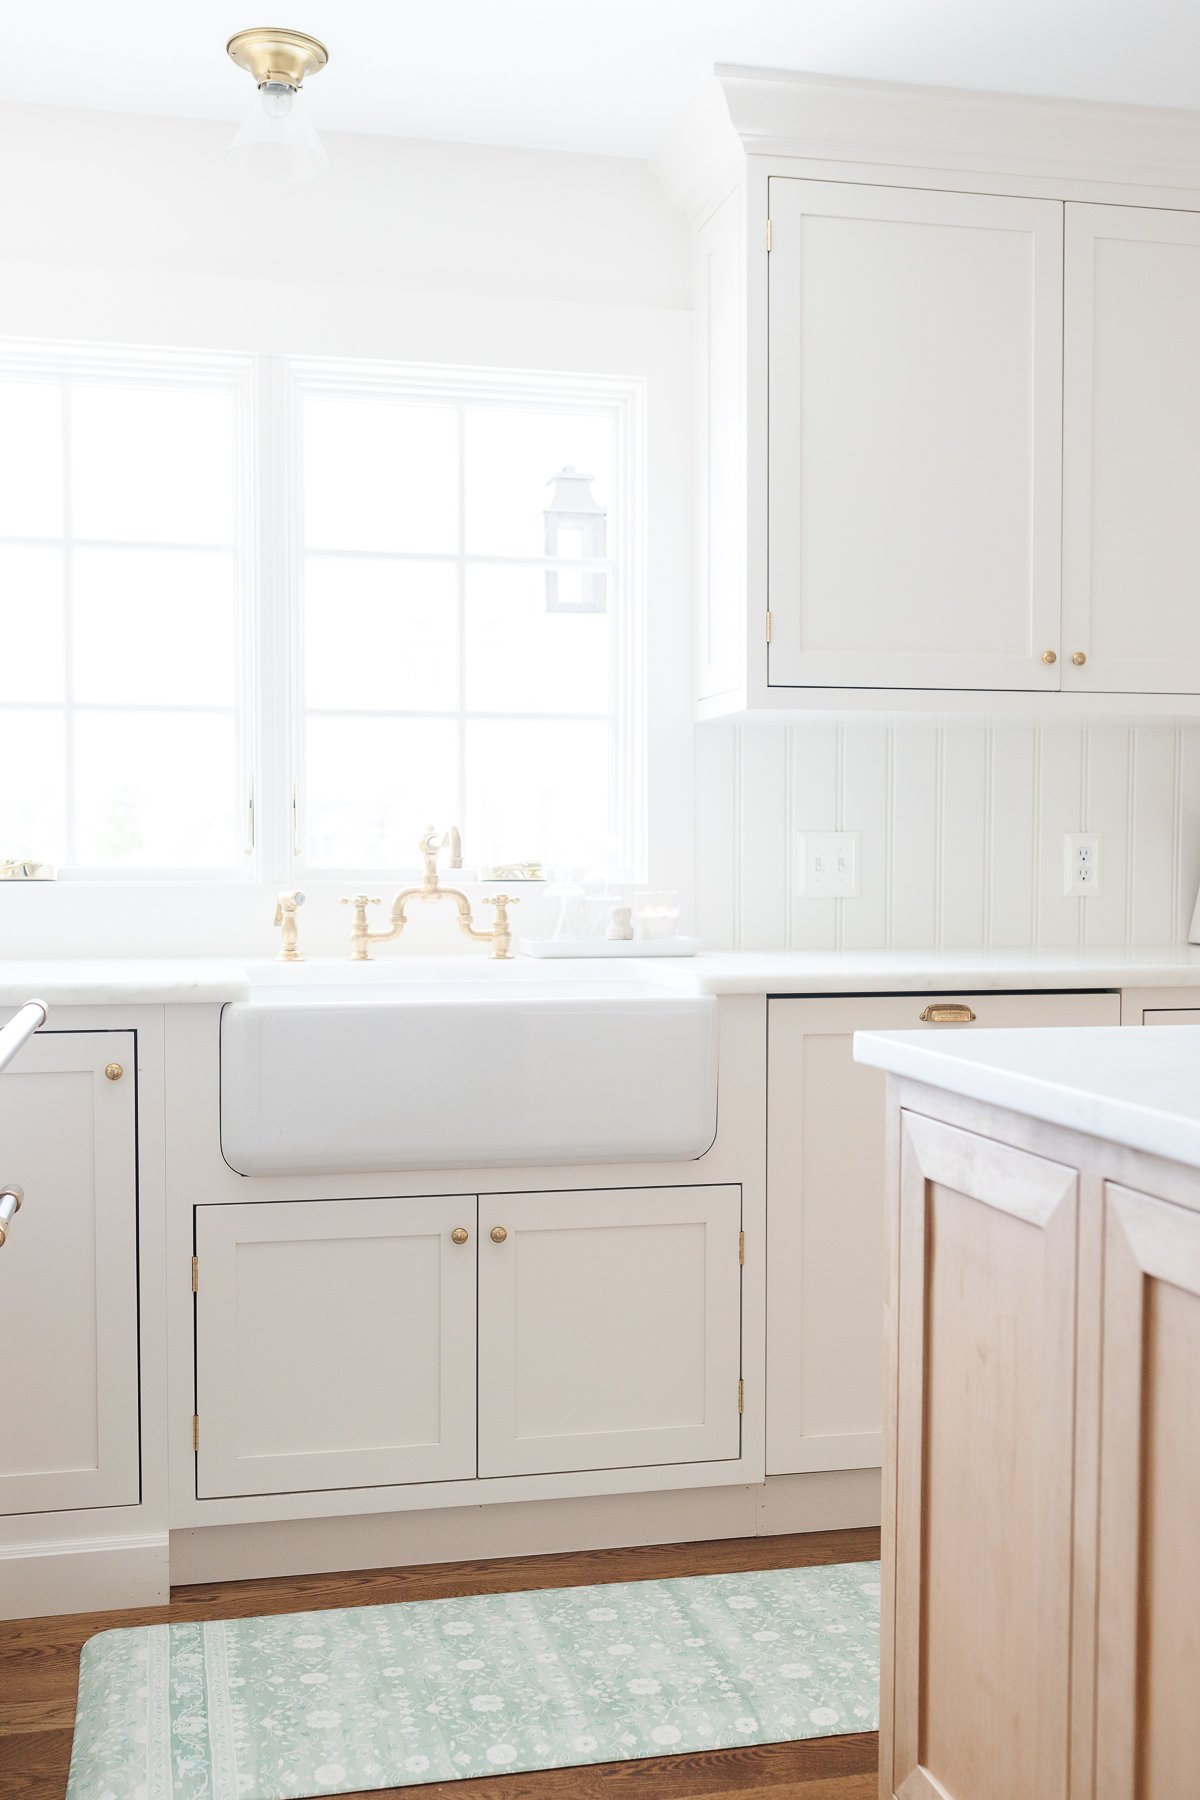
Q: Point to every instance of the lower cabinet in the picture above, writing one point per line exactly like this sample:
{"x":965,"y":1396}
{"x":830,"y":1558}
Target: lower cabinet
{"x":340,"y":1343}
{"x":826,"y":1142}
{"x":335,"y":1344}
{"x":1041,"y":1586}
{"x":609,"y":1329}
{"x":68,"y":1275}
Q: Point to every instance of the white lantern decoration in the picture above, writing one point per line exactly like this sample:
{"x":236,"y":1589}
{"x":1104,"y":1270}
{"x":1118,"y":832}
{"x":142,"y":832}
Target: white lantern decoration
{"x":576,"y":531}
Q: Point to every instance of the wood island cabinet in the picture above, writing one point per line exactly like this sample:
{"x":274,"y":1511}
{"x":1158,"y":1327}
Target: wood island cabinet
{"x":1041,"y":1630}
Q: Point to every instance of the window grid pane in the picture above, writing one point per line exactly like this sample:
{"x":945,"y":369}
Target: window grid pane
{"x":120,"y":599}
{"x":511,"y":636}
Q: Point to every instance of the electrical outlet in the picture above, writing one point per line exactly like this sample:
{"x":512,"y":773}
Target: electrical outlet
{"x":827,"y":864}
{"x":1082,"y":863}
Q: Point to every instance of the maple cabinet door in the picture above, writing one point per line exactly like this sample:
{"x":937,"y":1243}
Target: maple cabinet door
{"x":979,"y":1572}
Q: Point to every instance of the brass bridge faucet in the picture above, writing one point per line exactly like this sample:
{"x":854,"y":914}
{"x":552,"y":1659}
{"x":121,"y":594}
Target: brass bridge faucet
{"x":500,"y":936}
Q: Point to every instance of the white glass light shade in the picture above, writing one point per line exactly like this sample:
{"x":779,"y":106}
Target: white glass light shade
{"x":277,"y":140}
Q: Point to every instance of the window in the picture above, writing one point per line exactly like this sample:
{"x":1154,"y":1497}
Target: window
{"x":122,"y":601}
{"x":262,"y":617}
{"x":468,"y":620}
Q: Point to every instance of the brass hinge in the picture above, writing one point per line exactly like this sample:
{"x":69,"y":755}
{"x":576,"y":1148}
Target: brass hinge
{"x":195,"y":1274}
{"x":768,"y":237}
{"x":195,"y":1431}
{"x":741,"y":1396}
{"x":741,"y":1247}
{"x":768,"y":627}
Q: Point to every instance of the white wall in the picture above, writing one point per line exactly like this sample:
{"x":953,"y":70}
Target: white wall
{"x":962,"y":832}
{"x":134,"y":231}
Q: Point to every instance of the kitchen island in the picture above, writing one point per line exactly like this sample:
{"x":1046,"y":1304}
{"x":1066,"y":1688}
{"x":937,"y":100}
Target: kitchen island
{"x":1041,"y":1605}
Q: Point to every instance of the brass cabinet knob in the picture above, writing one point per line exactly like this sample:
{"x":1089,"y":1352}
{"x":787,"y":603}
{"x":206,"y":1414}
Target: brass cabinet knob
{"x":458,"y":1235}
{"x":498,"y":1234}
{"x":113,"y":1071}
{"x":1079,"y":659}
{"x":1049,"y":656}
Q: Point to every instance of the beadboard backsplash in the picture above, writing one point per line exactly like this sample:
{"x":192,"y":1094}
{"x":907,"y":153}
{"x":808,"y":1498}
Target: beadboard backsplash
{"x":962,"y":829}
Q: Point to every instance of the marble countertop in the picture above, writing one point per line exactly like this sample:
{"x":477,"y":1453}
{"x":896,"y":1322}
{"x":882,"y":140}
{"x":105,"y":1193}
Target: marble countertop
{"x":211,"y":980}
{"x":1137,"y":1088}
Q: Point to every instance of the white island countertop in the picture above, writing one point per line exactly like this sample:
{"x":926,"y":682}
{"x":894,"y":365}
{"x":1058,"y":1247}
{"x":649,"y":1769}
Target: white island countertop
{"x":108,"y":981}
{"x":1137,"y":1088}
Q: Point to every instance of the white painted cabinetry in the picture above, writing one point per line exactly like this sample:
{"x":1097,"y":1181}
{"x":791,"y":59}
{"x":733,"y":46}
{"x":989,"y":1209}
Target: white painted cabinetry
{"x":68,"y":1275}
{"x":1131,"y":524}
{"x":826,"y":1158}
{"x":610,"y":1329}
{"x":915,"y":356}
{"x":335,"y":1344}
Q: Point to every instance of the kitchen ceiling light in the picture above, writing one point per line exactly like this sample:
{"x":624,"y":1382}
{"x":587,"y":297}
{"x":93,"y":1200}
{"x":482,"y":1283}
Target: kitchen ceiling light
{"x":277,"y":139}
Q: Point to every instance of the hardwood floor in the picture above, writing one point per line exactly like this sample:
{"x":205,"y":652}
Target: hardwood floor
{"x":39,"y":1660}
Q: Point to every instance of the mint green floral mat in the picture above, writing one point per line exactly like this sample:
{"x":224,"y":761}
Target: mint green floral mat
{"x":440,"y":1690}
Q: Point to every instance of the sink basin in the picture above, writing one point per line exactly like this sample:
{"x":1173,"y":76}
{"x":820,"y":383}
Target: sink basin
{"x":472,"y":1067}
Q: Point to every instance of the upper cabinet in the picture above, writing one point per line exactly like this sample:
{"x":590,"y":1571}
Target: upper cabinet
{"x":947,"y":441}
{"x":915,"y":360}
{"x":1131,"y":521}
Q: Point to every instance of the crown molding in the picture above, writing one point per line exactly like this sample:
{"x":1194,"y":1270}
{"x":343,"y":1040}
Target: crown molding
{"x":775,"y":112}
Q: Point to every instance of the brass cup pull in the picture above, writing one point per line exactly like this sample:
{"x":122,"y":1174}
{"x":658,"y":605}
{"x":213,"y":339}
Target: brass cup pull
{"x":497,"y":1234}
{"x":10,"y":1205}
{"x":948,"y":1014}
{"x":113,"y":1071}
{"x":458,"y":1235}
{"x":1079,"y":659}
{"x":1049,"y":656}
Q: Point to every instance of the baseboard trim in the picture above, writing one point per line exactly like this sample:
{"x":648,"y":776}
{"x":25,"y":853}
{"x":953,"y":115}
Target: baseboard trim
{"x":99,"y":1574}
{"x":823,"y":1501}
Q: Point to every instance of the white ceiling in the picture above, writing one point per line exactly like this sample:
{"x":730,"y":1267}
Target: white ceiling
{"x":590,"y":75}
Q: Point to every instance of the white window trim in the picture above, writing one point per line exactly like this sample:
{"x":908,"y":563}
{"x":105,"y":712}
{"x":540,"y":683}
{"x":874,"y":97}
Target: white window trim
{"x":625,"y":400}
{"x":28,"y":360}
{"x":267,"y":548}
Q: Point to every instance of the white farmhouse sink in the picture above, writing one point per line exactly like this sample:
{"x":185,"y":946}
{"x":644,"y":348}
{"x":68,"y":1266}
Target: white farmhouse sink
{"x":351,"y":1070}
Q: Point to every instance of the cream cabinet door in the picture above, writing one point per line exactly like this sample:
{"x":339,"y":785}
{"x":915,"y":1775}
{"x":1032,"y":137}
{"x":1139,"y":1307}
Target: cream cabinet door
{"x":68,"y":1275}
{"x":982,"y":1368}
{"x":1131,"y":523}
{"x":609,"y":1329}
{"x":825,"y":1194}
{"x":1148,"y":1611}
{"x":915,"y":357}
{"x":335,"y":1344}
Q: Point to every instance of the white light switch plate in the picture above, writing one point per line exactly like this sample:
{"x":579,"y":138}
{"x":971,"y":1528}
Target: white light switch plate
{"x":827,"y":864}
{"x":1081,"y":863}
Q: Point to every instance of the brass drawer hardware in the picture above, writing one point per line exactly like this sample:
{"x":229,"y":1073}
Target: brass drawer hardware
{"x":498,"y":1234}
{"x":459,"y":1235}
{"x":1049,"y":656}
{"x":948,"y":1013}
{"x":113,"y":1071}
{"x":1079,"y":659}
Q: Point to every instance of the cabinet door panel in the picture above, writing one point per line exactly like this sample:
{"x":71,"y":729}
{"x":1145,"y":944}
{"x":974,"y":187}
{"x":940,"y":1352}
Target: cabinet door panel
{"x":609,"y":1329}
{"x":825,"y":1187}
{"x":1131,"y":525}
{"x":335,"y":1344}
{"x":1148,"y":1614}
{"x":68,"y":1276}
{"x":915,"y":346}
{"x":984,"y":1374}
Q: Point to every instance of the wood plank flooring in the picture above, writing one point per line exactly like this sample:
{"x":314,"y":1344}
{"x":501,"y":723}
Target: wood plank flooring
{"x":39,"y":1662}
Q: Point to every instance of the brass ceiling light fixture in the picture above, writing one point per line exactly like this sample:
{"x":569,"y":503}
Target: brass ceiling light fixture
{"x":277,"y":139}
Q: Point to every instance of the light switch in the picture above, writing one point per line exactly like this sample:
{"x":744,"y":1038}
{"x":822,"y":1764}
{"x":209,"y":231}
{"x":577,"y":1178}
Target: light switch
{"x":827,"y":864}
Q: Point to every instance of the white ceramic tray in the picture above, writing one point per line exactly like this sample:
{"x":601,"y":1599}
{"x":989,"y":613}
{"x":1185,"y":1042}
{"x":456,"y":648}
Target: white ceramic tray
{"x":667,"y":946}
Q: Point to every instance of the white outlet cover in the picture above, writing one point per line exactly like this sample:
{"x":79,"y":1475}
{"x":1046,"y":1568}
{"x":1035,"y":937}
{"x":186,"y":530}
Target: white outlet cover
{"x":1081,"y":864}
{"x":827,"y":865}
